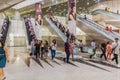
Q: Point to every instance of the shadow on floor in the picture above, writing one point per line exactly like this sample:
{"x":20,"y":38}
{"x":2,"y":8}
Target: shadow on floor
{"x":61,"y":59}
{"x":104,"y":63}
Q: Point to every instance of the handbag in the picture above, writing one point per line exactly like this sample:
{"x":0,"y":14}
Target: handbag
{"x":90,"y":51}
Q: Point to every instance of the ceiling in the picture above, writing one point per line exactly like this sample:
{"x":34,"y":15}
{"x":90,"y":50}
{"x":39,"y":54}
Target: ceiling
{"x":57,"y":7}
{"x":6,"y":4}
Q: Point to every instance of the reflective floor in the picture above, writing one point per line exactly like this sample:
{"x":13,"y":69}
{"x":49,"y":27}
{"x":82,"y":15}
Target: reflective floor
{"x":22,"y":67}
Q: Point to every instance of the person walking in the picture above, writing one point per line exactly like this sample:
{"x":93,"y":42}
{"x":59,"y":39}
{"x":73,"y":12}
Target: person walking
{"x":93,"y":46}
{"x":72,"y":46}
{"x":116,"y":50}
{"x":109,"y":50}
{"x":103,"y":48}
{"x":3,"y":58}
{"x":81,"y":46}
{"x":53,"y":49}
{"x":42,"y":49}
{"x":67,"y":50}
{"x":46,"y":49}
{"x":32,"y":47}
{"x":37,"y":49}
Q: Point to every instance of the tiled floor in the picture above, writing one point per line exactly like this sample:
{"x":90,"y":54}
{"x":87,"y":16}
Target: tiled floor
{"x":22,"y":67}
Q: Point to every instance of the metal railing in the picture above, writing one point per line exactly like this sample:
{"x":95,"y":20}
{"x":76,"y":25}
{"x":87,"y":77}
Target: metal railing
{"x":111,"y":14}
{"x":61,"y":34}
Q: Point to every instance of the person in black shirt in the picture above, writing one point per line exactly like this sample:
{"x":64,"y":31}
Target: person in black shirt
{"x":67,"y":50}
{"x":103,"y":48}
{"x":42,"y":49}
{"x":37,"y":49}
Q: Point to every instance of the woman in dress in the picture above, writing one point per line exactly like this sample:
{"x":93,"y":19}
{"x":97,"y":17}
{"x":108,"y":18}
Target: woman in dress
{"x":72,"y":46}
{"x":109,"y":50}
{"x":3,"y":59}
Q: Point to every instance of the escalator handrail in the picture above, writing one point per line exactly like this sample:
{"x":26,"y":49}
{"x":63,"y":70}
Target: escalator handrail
{"x":61,"y":34}
{"x":100,"y":26}
{"x":107,"y":13}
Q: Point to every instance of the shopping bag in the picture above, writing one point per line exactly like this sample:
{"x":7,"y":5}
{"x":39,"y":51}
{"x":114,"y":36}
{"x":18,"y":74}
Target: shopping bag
{"x":90,"y":51}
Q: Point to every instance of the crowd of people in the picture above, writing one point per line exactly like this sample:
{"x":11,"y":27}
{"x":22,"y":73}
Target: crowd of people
{"x":41,"y":48}
{"x":110,"y":51}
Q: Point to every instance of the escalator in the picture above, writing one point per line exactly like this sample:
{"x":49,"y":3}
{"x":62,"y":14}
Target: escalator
{"x":110,"y":17}
{"x":56,"y":29}
{"x":110,"y":14}
{"x":95,"y":30}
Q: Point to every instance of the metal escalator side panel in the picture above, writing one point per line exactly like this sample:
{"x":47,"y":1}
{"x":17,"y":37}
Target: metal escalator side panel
{"x":62,"y":35}
{"x":93,"y":26}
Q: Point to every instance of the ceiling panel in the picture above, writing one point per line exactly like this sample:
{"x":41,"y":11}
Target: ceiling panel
{"x":6,"y":4}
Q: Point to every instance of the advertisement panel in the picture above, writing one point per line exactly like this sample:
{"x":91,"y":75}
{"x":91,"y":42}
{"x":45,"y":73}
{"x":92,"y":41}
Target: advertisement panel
{"x":72,"y":16}
{"x":38,"y":20}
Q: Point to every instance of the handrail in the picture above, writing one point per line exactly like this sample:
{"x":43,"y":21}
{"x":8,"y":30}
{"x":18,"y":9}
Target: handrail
{"x":112,"y":14}
{"x":98,"y":27}
{"x":62,"y":35}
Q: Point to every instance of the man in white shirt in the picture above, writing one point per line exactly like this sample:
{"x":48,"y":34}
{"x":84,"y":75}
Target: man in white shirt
{"x":115,"y":50}
{"x":93,"y":46}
